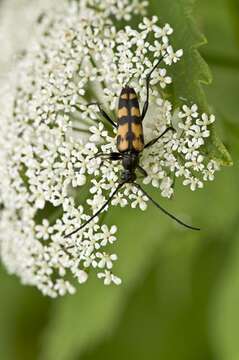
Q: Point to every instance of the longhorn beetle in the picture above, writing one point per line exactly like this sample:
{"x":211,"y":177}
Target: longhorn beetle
{"x":130,"y":143}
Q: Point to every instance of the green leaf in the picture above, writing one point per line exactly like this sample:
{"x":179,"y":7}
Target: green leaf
{"x":169,"y":307}
{"x":192,"y":71}
{"x":227,"y":84}
{"x":225,"y":315}
{"x":23,"y":314}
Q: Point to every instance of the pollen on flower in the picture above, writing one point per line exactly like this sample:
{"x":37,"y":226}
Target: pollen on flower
{"x":52,"y":132}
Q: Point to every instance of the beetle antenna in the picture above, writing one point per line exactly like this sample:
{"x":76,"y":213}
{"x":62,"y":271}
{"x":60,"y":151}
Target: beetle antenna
{"x":164,"y":210}
{"x":97,"y":212}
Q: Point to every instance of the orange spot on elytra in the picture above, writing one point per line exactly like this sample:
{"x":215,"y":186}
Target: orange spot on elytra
{"x":137,"y":129}
{"x":134,"y":111}
{"x":132,"y":96}
{"x":122,"y":112}
{"x":138,"y":144}
{"x":122,"y":130}
{"x":124,"y":96}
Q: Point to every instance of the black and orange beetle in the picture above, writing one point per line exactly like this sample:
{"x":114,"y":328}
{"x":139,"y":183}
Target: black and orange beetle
{"x":130,"y":143}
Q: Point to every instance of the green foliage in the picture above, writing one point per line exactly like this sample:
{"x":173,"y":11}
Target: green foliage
{"x":23,"y":314}
{"x":190,"y":73}
{"x":225,"y":316}
{"x":159,"y":320}
{"x":180,"y":289}
{"x":192,"y":70}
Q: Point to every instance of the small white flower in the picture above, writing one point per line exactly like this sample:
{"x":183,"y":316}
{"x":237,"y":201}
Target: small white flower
{"x":89,"y":260}
{"x":182,"y":171}
{"x":149,"y":24}
{"x":107,"y":235}
{"x":109,"y":278}
{"x":78,"y":180}
{"x":159,"y":48}
{"x":193,"y":182}
{"x":166,"y":187}
{"x":63,"y":287}
{"x":106,"y":260}
{"x":161,"y":78}
{"x":97,"y":201}
{"x":164,"y":32}
{"x":98,"y":133}
{"x":208,"y":173}
{"x":196,"y":163}
{"x":173,"y":57}
{"x":205,"y":120}
{"x":81,"y":275}
{"x":198,"y":134}
{"x":189,"y":112}
{"x":139,"y":199}
{"x":119,"y":199}
{"x":96,"y":188}
{"x":42,"y":231}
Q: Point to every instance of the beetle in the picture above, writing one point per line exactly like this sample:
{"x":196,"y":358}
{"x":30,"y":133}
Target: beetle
{"x":130,"y":143}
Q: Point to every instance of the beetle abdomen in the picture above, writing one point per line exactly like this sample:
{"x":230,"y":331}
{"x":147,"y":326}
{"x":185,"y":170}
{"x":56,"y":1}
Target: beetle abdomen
{"x":130,"y":131}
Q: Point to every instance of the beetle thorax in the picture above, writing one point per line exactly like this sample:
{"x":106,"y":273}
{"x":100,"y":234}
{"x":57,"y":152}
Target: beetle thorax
{"x":130,"y":161}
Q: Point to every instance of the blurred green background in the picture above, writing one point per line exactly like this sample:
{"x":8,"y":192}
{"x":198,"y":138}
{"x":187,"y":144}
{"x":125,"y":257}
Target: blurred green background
{"x":180,"y":295}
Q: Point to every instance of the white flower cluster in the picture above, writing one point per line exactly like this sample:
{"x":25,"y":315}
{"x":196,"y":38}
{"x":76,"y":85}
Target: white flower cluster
{"x":50,"y":136}
{"x":21,"y":15}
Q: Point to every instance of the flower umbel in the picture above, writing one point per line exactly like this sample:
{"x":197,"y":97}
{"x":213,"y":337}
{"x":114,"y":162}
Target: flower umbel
{"x":50,"y":136}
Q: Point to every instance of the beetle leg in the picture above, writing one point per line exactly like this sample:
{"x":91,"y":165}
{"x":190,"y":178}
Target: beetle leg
{"x":143,"y":172}
{"x":152,"y":142}
{"x":113,"y":156}
{"x":103,"y":113}
{"x":164,"y":210}
{"x":148,"y":78}
{"x":99,"y":211}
